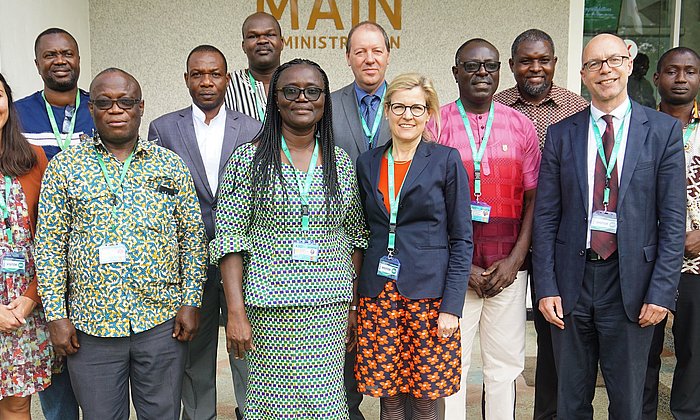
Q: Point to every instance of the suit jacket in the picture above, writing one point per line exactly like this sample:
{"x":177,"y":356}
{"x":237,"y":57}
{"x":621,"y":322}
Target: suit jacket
{"x":650,"y":211}
{"x":175,"y":131}
{"x":347,"y":127}
{"x":433,"y":226}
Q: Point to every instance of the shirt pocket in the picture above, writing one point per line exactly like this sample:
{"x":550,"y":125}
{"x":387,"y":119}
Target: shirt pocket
{"x":91,"y":207}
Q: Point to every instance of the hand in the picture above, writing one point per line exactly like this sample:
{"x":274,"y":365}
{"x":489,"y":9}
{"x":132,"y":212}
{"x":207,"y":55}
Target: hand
{"x":63,"y":337}
{"x":239,"y":335}
{"x":651,"y":314}
{"x":8,"y":320}
{"x":552,"y":310}
{"x":21,"y":308}
{"x":692,"y":244}
{"x":186,"y":323}
{"x":476,"y":280}
{"x":500,"y":275}
{"x":351,"y":331}
{"x":447,"y":325}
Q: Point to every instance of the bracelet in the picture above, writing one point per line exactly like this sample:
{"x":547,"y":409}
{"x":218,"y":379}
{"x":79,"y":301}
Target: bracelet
{"x":353,"y":307}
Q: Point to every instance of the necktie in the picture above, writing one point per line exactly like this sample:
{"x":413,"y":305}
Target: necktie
{"x":604,"y":243}
{"x":368,"y":115}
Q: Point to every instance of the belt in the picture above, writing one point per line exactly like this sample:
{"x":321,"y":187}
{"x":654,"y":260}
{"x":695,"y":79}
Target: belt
{"x":591,"y":255}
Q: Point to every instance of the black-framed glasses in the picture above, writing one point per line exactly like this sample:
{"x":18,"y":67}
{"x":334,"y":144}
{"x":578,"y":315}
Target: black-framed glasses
{"x":474,"y":66}
{"x":399,"y":109}
{"x":291,"y":93}
{"x":614,"y":61}
{"x":122,"y":103}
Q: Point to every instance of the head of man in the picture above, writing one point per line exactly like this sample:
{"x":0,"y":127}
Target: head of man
{"x":640,"y":66}
{"x":476,"y":72}
{"x":262,"y":41}
{"x":207,"y":77}
{"x":116,"y":106}
{"x":57,"y":59}
{"x":606,"y":67}
{"x":677,"y":76}
{"x":367,"y":54}
{"x":532,"y":63}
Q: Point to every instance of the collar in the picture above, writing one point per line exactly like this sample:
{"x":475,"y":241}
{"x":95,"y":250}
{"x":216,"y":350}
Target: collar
{"x":360,"y":93}
{"x":617,"y":113}
{"x":199,"y":114}
{"x":142,"y":146}
{"x":695,"y":116}
{"x":517,"y":97}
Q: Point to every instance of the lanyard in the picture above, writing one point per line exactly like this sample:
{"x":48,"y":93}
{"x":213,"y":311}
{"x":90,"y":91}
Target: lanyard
{"x":110,"y":182}
{"x":687,"y":132}
{"x":377,"y":120}
{"x":393,"y":201}
{"x":63,"y":142}
{"x":477,"y":155}
{"x":304,"y":185}
{"x":258,"y":107}
{"x":613,"y":154}
{"x":4,"y":205}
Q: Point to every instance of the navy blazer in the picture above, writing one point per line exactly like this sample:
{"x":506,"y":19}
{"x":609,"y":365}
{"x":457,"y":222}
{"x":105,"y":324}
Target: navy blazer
{"x":650,"y":211}
{"x":433,"y":226}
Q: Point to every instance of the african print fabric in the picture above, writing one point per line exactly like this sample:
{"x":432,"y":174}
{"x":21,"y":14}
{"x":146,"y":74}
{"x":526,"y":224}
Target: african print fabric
{"x":398,"y":350}
{"x":25,"y":353}
{"x":692,"y":168}
{"x":156,"y":217}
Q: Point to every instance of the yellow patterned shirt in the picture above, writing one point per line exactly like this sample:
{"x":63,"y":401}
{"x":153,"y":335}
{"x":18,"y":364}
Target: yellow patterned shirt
{"x":156,"y":217}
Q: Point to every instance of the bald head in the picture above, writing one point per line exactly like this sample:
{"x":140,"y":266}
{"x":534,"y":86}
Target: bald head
{"x":260,"y":19}
{"x":605,"y":68}
{"x":113,"y":71}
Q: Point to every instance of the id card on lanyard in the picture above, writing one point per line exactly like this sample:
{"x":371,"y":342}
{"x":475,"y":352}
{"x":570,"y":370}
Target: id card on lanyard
{"x":13,"y":262}
{"x":63,"y":142}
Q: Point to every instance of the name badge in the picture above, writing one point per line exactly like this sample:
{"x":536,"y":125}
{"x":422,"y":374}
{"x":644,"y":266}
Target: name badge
{"x":13,"y":263}
{"x":604,"y":221}
{"x":114,"y":253}
{"x":480,"y":211}
{"x":305,"y":251}
{"x":389,"y":267}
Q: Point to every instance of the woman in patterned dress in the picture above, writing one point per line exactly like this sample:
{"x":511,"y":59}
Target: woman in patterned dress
{"x":289,"y":240}
{"x":25,"y":352}
{"x":413,"y":280}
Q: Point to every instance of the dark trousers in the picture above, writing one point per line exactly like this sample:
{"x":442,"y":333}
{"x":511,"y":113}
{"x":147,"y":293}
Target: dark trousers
{"x":651,"y":383}
{"x":354,"y":398}
{"x":58,"y":401}
{"x":545,"y":369}
{"x":151,"y":362}
{"x":598,"y":330}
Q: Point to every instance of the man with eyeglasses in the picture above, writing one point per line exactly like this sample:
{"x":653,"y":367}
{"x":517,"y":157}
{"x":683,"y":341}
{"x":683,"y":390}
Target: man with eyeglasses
{"x":55,"y":118}
{"x":119,"y":217}
{"x":533,"y":63}
{"x":499,"y":149}
{"x":608,"y":237}
{"x":262,"y":44}
{"x":204,"y":135}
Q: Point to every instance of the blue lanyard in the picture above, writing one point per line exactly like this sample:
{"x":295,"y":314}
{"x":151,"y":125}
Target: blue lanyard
{"x":477,"y":154}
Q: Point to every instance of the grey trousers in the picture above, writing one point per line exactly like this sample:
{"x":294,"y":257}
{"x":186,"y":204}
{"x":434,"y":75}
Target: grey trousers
{"x":152,"y":362}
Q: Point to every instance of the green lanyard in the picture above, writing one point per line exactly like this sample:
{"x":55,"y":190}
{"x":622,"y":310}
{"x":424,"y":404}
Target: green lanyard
{"x":393,"y":201}
{"x":687,"y":132}
{"x":63,"y":142}
{"x":477,"y":155}
{"x":304,"y":185}
{"x":613,"y":154}
{"x":377,"y":120}
{"x":110,"y":183}
{"x":258,"y":107}
{"x":4,"y":205}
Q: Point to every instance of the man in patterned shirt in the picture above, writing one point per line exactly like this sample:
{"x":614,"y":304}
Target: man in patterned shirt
{"x":120,"y":230}
{"x":533,"y":62}
{"x":677,"y":79}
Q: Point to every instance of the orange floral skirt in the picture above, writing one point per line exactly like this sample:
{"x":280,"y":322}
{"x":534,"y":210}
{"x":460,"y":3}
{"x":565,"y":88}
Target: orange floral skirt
{"x":398,"y":350}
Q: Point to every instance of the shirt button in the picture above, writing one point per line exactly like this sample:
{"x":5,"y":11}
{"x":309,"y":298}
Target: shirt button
{"x":482,"y":127}
{"x":582,"y":253}
{"x":479,"y":116}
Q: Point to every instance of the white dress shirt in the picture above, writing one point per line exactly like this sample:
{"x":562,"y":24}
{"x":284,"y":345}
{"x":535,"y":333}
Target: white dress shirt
{"x":620,"y":116}
{"x":210,"y":139}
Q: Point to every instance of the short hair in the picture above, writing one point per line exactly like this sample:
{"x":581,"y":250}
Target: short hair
{"x":410,"y":81}
{"x":206,"y":48}
{"x":677,"y":50}
{"x":376,"y":26}
{"x":531,"y":35}
{"x":256,"y":14}
{"x":52,"y":31}
{"x":472,"y":41}
{"x":116,"y":70}
{"x":641,"y":58}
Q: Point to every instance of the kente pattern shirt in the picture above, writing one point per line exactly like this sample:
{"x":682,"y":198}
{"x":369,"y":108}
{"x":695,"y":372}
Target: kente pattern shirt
{"x":157,"y":219}
{"x":270,"y":276}
{"x":245,"y":98}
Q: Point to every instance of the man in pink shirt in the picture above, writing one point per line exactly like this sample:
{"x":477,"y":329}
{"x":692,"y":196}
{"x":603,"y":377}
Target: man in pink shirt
{"x":499,"y":149}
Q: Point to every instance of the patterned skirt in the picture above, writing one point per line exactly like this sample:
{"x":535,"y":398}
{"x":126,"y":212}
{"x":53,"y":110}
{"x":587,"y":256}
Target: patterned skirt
{"x":399,"y":351}
{"x":296,"y":369}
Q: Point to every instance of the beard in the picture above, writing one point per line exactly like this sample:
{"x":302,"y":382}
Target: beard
{"x":63,"y":85}
{"x":536,"y":90}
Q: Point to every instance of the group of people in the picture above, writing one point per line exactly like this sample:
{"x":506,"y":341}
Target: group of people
{"x":351,"y":249}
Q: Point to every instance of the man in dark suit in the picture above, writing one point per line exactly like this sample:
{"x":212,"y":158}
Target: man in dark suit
{"x":204,"y":136}
{"x":607,"y":254}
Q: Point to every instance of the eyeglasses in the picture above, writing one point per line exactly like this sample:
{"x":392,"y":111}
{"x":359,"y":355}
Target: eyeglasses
{"x":474,"y":66}
{"x":122,"y":103}
{"x":614,"y":61}
{"x":399,"y":109}
{"x":291,"y":93}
